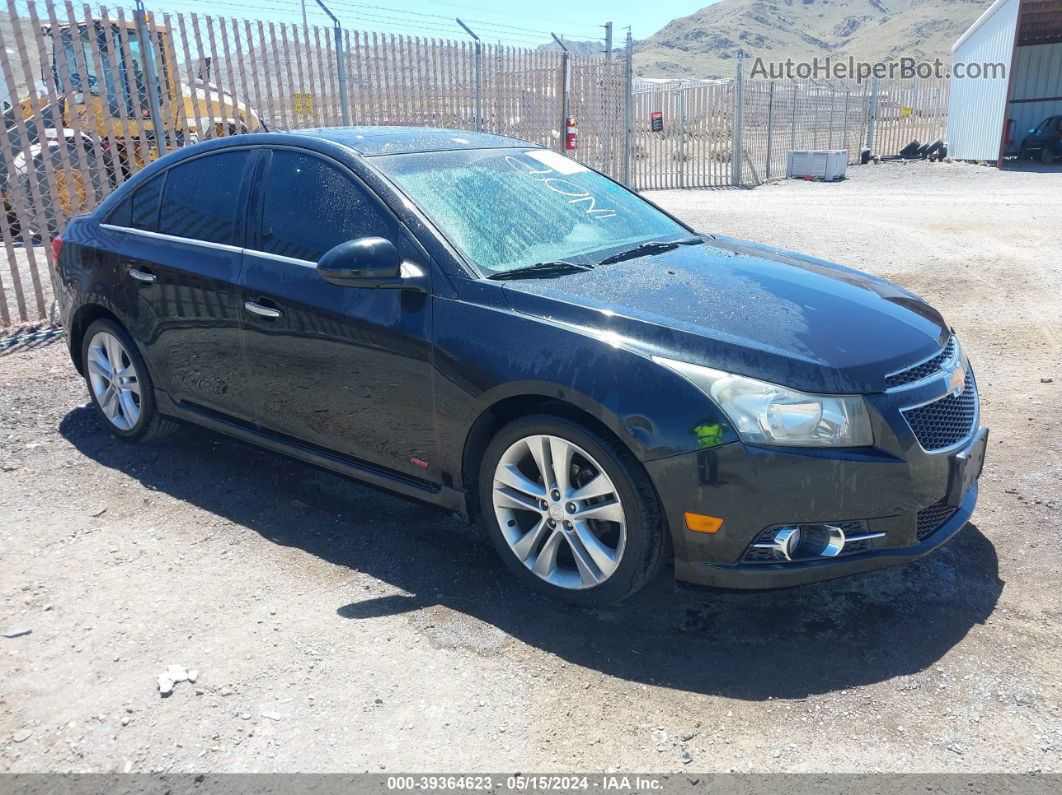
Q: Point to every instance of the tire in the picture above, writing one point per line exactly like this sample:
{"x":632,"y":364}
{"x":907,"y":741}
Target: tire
{"x":911,"y":150}
{"x":618,"y":558}
{"x":1047,"y":157}
{"x":934,"y":148}
{"x":130,"y":413}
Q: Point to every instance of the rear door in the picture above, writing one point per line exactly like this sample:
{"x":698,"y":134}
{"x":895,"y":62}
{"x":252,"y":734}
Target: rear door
{"x":177,"y":247}
{"x":341,"y":368}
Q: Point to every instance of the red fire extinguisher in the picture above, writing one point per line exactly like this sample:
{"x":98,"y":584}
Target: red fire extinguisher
{"x":571,"y":134}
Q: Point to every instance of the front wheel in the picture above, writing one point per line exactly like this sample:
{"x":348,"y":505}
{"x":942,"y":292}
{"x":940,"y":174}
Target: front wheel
{"x":571,"y":511}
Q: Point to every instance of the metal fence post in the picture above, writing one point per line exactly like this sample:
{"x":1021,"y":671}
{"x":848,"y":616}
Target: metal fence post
{"x":735,"y":147}
{"x":147,"y":48}
{"x":628,"y":112}
{"x":607,"y":98}
{"x":872,"y":118}
{"x":478,"y":55}
{"x":341,"y":65}
{"x":682,"y":136}
{"x":792,"y":127}
{"x":770,"y":128}
{"x":566,"y":84}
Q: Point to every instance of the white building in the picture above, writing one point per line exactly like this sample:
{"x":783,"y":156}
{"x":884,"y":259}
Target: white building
{"x":992,"y":108}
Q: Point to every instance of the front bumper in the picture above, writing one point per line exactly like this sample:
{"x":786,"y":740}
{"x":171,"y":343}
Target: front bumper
{"x":754,"y":488}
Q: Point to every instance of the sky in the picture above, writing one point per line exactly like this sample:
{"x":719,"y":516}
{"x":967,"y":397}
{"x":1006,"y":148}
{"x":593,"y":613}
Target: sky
{"x":518,"y":24}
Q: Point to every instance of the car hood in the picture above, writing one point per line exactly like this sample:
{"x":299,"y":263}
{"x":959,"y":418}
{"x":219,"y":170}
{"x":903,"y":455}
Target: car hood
{"x":748,"y":309}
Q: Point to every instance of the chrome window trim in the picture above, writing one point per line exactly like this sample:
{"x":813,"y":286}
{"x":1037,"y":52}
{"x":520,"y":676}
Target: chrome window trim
{"x":280,"y":258}
{"x":173,"y":238}
{"x":208,"y":244}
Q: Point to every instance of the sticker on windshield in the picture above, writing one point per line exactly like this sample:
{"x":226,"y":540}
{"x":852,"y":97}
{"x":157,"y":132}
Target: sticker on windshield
{"x":559,"y":163}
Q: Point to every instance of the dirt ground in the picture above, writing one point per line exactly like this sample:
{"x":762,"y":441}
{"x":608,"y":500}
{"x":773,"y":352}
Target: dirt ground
{"x":336,"y":628}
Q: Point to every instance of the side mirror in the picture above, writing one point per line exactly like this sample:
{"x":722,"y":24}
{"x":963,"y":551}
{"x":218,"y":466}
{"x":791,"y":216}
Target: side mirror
{"x":370,"y":262}
{"x":366,"y":262}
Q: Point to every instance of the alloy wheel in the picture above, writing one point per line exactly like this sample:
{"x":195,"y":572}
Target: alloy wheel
{"x":114,"y":380}
{"x":559,"y":511}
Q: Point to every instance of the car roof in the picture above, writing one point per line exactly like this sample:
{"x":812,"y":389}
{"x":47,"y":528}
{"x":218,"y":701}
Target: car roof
{"x":370,"y":141}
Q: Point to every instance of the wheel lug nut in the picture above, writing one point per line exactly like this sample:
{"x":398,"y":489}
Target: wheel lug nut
{"x":567,"y":525}
{"x":555,"y":494}
{"x":551,"y":523}
{"x":543,"y":504}
{"x":570,"y":507}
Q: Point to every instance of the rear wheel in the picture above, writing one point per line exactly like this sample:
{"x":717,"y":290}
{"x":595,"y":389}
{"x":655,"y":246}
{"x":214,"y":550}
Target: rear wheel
{"x":1046,"y":155}
{"x":571,"y":512}
{"x":120,"y":385}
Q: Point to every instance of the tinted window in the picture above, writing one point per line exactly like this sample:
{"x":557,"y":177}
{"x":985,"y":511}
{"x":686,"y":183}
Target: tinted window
{"x":119,"y":216}
{"x":200,"y":198}
{"x":310,"y":206}
{"x":144,"y":207}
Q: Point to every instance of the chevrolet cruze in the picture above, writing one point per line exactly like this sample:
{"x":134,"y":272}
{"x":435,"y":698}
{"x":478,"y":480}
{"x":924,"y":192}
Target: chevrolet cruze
{"x":490,"y":327}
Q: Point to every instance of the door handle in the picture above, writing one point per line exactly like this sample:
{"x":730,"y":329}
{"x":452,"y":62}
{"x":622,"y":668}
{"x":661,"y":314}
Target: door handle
{"x":142,"y":276}
{"x":264,"y":311}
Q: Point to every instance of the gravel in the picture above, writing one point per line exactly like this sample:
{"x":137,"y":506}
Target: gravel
{"x":389,"y":638}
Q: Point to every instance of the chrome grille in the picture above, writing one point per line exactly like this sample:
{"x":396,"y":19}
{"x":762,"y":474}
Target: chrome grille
{"x":945,"y":422}
{"x":930,"y":519}
{"x":923,"y":370}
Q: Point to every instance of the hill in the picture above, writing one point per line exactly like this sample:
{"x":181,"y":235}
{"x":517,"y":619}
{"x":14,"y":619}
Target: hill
{"x":707,"y":42}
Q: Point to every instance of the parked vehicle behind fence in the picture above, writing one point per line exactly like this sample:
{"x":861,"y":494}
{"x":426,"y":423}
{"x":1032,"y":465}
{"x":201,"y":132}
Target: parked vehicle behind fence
{"x":489,"y":327}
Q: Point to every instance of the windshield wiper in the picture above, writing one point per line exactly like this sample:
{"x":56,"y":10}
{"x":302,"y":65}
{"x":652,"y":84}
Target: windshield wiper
{"x":650,"y":247}
{"x":542,"y":270}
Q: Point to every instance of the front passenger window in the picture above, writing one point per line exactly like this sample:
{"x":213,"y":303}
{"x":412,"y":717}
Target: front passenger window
{"x":311,"y":206}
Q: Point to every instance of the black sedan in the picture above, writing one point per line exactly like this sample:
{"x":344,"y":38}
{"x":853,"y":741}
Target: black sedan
{"x":487,"y":326}
{"x":1044,"y":141}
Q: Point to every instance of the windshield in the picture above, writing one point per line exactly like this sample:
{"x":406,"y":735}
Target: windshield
{"x":510,"y":208}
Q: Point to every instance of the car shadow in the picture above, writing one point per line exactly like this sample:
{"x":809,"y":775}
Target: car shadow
{"x":747,"y":645}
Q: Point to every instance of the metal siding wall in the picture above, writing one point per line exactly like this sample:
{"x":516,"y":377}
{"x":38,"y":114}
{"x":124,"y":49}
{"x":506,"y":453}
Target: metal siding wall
{"x":1037,"y":73}
{"x":978,"y":106}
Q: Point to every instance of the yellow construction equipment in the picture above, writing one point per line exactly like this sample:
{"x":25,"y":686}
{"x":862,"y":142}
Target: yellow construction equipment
{"x":102,"y":108}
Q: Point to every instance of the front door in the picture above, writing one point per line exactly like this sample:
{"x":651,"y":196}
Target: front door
{"x":342,"y":368}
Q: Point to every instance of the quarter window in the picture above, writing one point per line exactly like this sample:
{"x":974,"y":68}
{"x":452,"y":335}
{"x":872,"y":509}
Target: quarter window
{"x":200,"y":198}
{"x":144,"y":205}
{"x":310,"y":206}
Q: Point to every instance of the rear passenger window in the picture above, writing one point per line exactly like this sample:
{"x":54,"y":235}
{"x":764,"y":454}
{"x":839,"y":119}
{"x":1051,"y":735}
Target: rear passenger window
{"x":144,"y":205}
{"x":310,"y":206}
{"x":200,"y":198}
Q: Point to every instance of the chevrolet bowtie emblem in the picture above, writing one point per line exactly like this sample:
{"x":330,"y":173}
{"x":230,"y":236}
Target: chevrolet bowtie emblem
{"x":957,"y":381}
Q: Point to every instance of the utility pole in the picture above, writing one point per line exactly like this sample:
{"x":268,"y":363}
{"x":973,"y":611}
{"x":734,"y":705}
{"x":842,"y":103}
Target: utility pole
{"x":341,"y":62}
{"x":147,"y":47}
{"x":608,"y":42}
{"x":305,"y":24}
{"x":479,"y":75}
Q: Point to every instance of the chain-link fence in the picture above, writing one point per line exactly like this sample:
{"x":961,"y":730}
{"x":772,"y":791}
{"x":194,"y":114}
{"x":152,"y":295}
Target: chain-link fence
{"x":91,"y":94}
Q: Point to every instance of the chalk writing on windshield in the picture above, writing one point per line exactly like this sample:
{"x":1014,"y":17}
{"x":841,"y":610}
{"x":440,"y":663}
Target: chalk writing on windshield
{"x":575,"y":194}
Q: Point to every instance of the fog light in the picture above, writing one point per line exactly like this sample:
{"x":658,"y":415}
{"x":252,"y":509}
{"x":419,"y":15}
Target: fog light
{"x":823,"y":540}
{"x":786,"y":542}
{"x":794,"y":543}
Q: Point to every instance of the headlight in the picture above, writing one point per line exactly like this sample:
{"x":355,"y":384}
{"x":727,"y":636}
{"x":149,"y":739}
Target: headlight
{"x":765,"y":413}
